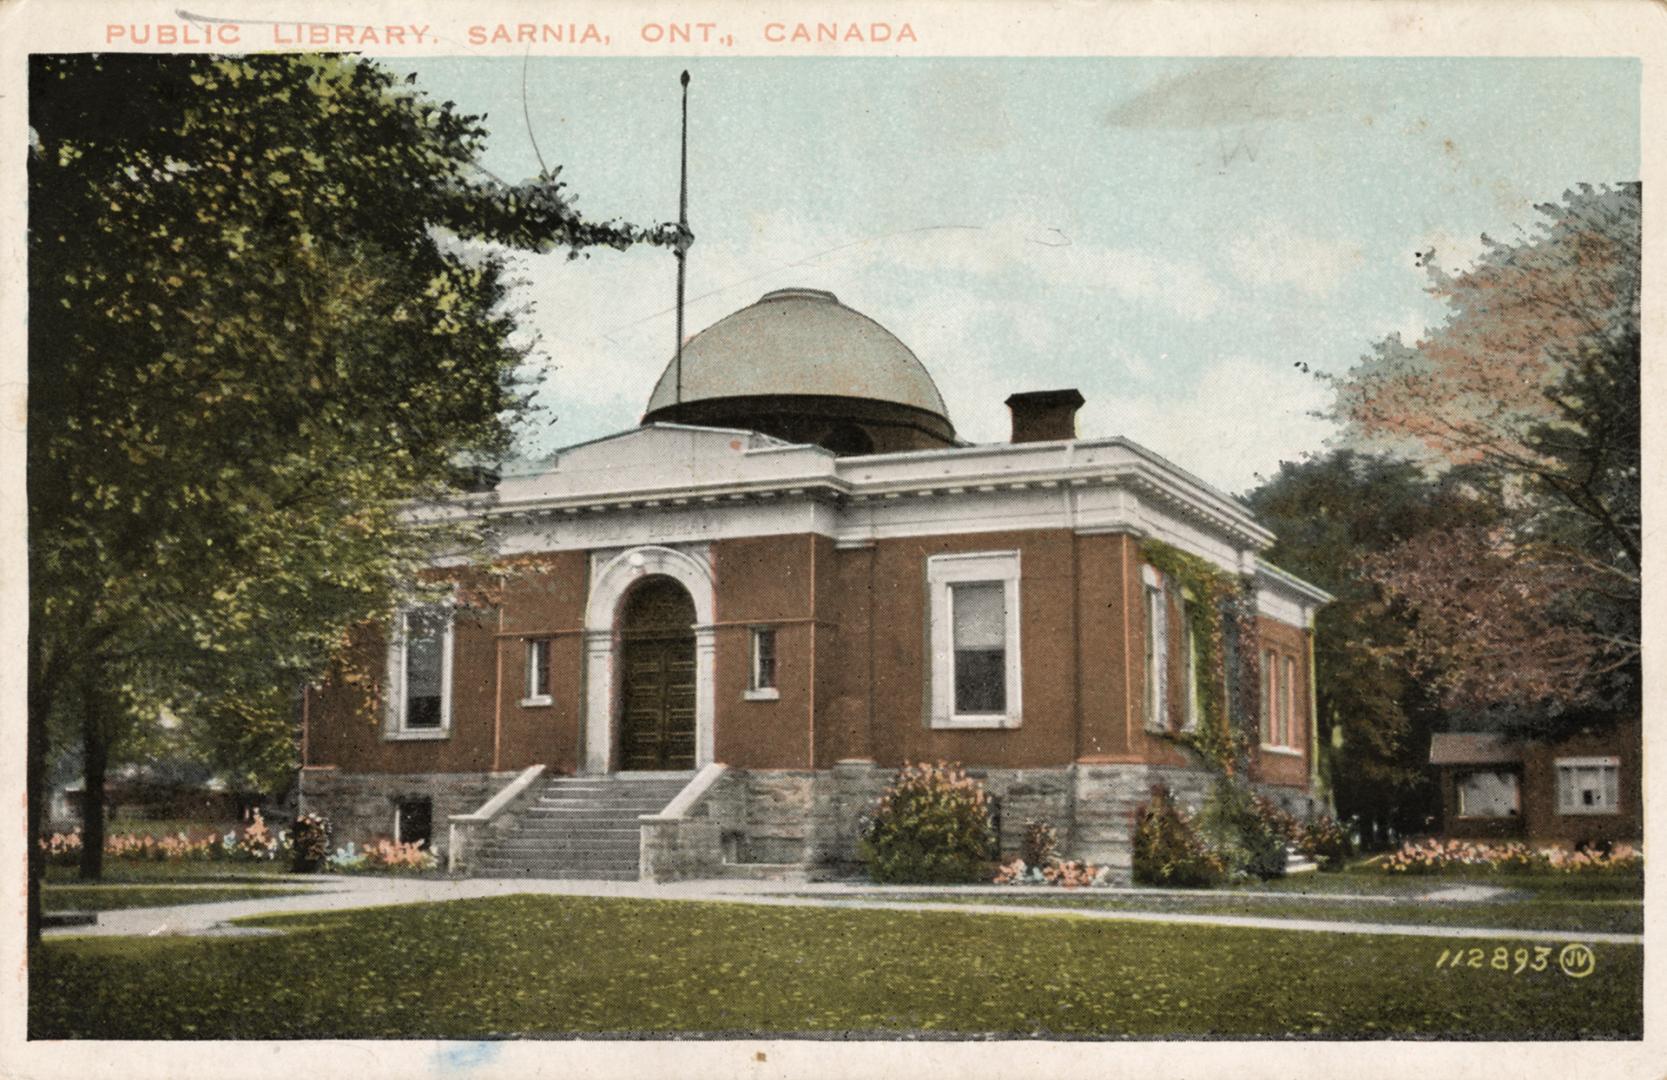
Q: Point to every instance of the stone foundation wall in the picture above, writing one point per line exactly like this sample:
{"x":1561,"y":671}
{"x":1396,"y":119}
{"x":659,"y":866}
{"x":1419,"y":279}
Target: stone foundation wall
{"x":361,"y":806}
{"x":815,"y":818}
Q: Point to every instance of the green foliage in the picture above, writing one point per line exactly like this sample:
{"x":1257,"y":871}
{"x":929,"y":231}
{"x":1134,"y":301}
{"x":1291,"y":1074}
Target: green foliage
{"x":932,"y":825}
{"x":269,"y":343}
{"x":567,"y":965}
{"x":1249,"y":843}
{"x":1324,"y":840}
{"x":1228,"y":702}
{"x":1329,"y":514}
{"x":309,"y":839}
{"x":1040,"y":845}
{"x":1532,"y":382}
{"x":1168,"y":850}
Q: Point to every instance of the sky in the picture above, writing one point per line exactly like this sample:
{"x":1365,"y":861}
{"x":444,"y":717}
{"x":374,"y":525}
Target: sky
{"x":1176,"y":238}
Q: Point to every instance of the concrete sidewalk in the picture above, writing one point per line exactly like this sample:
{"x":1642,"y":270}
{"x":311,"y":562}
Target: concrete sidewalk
{"x":346,"y":893}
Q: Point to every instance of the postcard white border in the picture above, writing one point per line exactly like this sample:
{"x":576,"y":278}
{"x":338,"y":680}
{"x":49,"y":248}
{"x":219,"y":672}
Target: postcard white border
{"x":1636,"y":28}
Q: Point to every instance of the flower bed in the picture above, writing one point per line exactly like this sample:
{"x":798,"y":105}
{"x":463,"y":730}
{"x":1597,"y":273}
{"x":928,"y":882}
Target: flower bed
{"x":1431,"y":856}
{"x":255,"y":842}
{"x":383,"y":855}
{"x":306,"y":845}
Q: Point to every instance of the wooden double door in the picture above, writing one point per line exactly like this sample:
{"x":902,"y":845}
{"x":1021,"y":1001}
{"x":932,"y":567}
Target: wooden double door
{"x":657,"y":647}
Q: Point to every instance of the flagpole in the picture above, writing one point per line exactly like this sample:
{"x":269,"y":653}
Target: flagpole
{"x":682,"y":248}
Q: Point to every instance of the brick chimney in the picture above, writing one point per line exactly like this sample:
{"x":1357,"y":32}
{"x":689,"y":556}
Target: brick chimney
{"x":1043,"y":415}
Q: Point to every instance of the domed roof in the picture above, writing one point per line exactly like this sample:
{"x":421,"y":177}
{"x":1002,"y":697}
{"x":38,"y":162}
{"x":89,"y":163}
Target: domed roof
{"x":798,"y":342}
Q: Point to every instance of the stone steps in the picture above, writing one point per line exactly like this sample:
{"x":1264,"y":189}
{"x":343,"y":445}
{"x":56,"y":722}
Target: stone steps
{"x":580,"y":828}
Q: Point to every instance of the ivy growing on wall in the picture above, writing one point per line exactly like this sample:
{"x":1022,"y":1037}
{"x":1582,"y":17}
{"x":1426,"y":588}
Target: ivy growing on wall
{"x":1221,"y":617}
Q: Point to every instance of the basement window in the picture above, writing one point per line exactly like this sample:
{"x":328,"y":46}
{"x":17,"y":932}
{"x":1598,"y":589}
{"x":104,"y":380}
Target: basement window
{"x":975,"y":640}
{"x":414,"y":822}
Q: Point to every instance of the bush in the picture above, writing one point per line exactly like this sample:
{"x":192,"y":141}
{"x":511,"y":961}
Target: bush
{"x":309,"y":839}
{"x":1168,"y":850}
{"x":1324,"y":840}
{"x":1277,"y":818}
{"x":931,"y":826}
{"x":1249,"y":844}
{"x":1040,"y":845}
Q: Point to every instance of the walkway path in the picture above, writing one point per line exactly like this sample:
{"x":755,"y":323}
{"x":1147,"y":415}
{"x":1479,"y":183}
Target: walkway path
{"x":338,"y":894}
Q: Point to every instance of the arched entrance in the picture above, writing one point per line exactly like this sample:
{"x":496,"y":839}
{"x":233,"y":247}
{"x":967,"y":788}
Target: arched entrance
{"x":657,"y":677}
{"x":613,"y":581}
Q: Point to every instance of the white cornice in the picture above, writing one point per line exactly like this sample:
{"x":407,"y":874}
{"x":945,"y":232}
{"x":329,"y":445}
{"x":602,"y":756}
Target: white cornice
{"x":960,"y":477}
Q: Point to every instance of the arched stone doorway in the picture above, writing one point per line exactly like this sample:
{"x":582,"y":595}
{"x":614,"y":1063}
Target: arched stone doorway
{"x":614,"y":582}
{"x":657,"y":677}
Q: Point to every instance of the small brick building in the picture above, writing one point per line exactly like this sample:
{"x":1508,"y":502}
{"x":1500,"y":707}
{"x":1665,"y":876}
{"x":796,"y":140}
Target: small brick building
{"x":1583,"y":788}
{"x":791,"y":580}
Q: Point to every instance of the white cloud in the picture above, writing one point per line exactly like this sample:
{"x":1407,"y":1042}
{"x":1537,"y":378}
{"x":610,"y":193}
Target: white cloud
{"x":1278,"y":255}
{"x":1239,"y":419}
{"x":992,"y":309}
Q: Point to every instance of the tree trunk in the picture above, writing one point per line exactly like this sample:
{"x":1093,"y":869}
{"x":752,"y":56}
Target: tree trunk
{"x":40,"y":708}
{"x":95,"y":758}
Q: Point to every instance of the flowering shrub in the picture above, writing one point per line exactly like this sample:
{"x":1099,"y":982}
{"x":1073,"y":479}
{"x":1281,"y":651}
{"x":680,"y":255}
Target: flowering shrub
{"x":256,"y":841}
{"x":347,"y":860}
{"x":1248,"y":844}
{"x":176,"y":848}
{"x":1277,"y":819}
{"x":1434,"y":855}
{"x":1072,"y":875}
{"x":62,"y":849}
{"x":1622,"y":858}
{"x":932,"y":825}
{"x":1324,"y":840}
{"x":382,"y":854}
{"x":1168,"y":849}
{"x":309,"y":843}
{"x":393,"y":855}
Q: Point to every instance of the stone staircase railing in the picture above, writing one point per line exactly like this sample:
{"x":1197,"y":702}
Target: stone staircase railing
{"x":468,"y":832}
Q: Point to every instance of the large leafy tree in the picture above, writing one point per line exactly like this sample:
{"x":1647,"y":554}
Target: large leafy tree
{"x":267,"y":319}
{"x":1332,"y":515}
{"x":1532,"y":381}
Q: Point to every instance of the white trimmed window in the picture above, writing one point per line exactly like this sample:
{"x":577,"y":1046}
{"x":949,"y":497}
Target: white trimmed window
{"x":1489,"y":795}
{"x":1279,"y":701}
{"x":1189,"y":665}
{"x":1288,"y":704}
{"x":537,"y":688}
{"x":1589,"y":785}
{"x":975,"y":640}
{"x":761,"y":676}
{"x":420,"y":660}
{"x":1157,"y":649}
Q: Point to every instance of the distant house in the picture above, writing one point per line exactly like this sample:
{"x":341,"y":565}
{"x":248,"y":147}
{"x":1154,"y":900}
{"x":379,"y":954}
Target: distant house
{"x":1586,"y":787}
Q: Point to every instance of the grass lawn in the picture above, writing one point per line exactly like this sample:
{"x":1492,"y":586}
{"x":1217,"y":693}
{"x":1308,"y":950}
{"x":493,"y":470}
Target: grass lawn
{"x":1370,"y":881}
{"x":1610,"y":916}
{"x":552,"y":965}
{"x":120,"y":897}
{"x":126,"y":871}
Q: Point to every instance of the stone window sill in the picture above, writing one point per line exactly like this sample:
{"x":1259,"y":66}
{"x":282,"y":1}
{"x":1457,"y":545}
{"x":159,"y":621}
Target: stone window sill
{"x":1283,"y":750}
{"x":537,"y":702}
{"x":768,"y":693}
{"x":417,"y":736}
{"x":974,"y":723}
